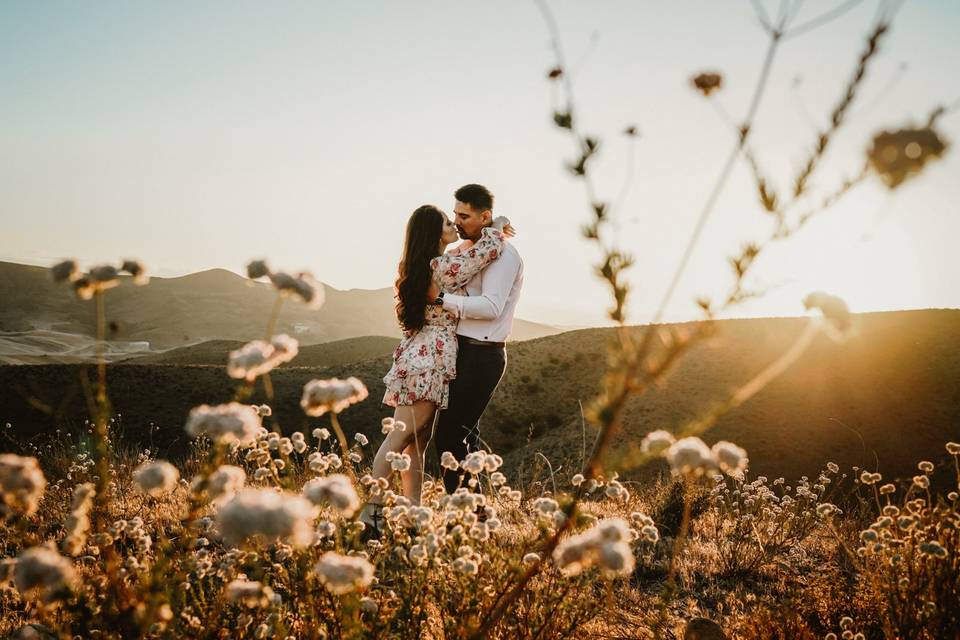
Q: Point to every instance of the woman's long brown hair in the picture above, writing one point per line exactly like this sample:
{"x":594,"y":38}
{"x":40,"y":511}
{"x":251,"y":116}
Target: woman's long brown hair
{"x":422,"y":244}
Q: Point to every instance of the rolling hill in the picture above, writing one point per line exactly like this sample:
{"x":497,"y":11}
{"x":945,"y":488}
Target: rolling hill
{"x":176,"y":312}
{"x":326,"y":354}
{"x":885,"y":398}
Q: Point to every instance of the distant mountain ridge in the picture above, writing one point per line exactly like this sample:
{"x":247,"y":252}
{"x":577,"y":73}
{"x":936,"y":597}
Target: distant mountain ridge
{"x":208,"y":305}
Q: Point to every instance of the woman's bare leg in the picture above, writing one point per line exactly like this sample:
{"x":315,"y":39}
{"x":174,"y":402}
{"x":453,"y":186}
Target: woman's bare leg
{"x":416,"y":417}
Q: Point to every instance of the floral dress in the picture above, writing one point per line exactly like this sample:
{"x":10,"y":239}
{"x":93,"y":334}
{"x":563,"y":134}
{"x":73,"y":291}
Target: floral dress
{"x":425,"y":361}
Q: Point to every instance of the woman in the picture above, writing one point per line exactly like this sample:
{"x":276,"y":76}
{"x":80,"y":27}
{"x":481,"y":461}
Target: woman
{"x":426,"y":359}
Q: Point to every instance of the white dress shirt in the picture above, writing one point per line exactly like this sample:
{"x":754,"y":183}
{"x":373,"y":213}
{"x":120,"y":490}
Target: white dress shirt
{"x":486,"y":311}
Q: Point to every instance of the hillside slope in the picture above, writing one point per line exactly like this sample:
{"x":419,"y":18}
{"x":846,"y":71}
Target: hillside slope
{"x":889,"y":396}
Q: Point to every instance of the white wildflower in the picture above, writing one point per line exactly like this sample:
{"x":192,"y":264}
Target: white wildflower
{"x":401,"y":462}
{"x":826,"y":510}
{"x":616,"y":491}
{"x":417,"y":555}
{"x":731,"y":458}
{"x":258,"y":357}
{"x":84,"y":287}
{"x":604,"y":545}
{"x":64,"y":271}
{"x":361,"y":439}
{"x":268,"y":514}
{"x":44,"y":572}
{"x":104,"y":275}
{"x":250,"y":361}
{"x":474,"y":462}
{"x":650,"y":533}
{"x":336,"y":490}
{"x":834,"y":309}
{"x":343,"y":574}
{"x":301,"y":285}
{"x":320,"y":396}
{"x":257,"y":269}
{"x":479,"y":532}
{"x":156,"y":478}
{"x":77,"y":524}
{"x":690,"y":456}
{"x":225,"y":482}
{"x":250,"y":594}
{"x":612,"y":530}
{"x":448,"y":461}
{"x":285,"y":348}
{"x":317,"y":462}
{"x":656,"y":442}
{"x":545,"y":506}
{"x":492,"y":462}
{"x":226,"y":423}
{"x":933,"y":549}
{"x":869,"y":536}
{"x":467,"y":566}
{"x":136,"y":269}
{"x":21,"y":483}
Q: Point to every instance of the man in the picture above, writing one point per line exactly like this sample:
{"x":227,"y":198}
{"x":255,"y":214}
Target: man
{"x":486,"y":317}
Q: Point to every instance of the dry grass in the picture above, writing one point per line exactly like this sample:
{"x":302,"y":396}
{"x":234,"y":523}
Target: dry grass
{"x":796,"y":580}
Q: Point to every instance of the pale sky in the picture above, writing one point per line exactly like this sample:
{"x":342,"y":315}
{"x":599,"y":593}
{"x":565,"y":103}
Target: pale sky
{"x":203,"y":134}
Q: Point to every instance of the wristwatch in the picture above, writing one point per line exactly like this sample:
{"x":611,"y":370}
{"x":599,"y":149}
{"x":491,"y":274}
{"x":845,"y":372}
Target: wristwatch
{"x":439,"y":300}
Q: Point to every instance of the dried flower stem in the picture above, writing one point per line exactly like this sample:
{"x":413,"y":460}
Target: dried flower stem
{"x":624,"y":379}
{"x":344,"y":447}
{"x":725,"y":172}
{"x":102,"y":408}
{"x":681,"y":534}
{"x":274,"y":315}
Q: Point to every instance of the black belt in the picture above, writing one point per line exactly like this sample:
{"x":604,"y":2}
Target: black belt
{"x":480,"y":343}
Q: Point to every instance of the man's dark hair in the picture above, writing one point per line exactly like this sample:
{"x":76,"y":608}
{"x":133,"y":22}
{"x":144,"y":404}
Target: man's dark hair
{"x":475,"y":195}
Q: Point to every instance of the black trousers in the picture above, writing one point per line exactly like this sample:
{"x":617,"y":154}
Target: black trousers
{"x":479,"y":371}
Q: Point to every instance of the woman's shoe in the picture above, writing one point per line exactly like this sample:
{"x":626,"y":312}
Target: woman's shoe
{"x":372,"y":517}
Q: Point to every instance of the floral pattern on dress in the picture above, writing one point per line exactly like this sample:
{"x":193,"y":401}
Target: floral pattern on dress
{"x":425,"y":361}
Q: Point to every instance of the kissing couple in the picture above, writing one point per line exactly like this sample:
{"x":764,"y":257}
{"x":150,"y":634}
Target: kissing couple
{"x":455,"y":308}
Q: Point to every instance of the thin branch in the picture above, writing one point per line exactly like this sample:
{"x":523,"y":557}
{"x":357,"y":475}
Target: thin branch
{"x":722,"y":178}
{"x":762,"y":15}
{"x":822,"y":19}
{"x":840,"y":110}
{"x":627,"y":179}
{"x":885,"y":91}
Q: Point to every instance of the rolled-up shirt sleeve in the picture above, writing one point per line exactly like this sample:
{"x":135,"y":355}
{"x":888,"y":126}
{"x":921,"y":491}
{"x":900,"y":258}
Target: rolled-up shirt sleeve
{"x":498,"y":280}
